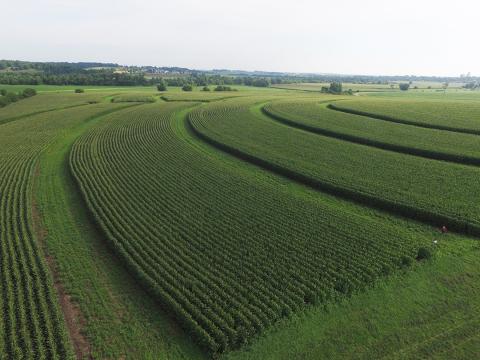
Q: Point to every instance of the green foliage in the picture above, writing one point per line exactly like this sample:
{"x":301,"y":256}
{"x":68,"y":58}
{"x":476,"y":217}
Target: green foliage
{"x":452,"y":115}
{"x":226,"y":248}
{"x":133,"y":98}
{"x":224,"y":88}
{"x":210,"y":277}
{"x":47,"y":102}
{"x":441,"y":145}
{"x":205,"y":88}
{"x":343,"y":286}
{"x":31,"y":321}
{"x":346,"y":169}
{"x":428,"y":313}
{"x":118,"y":306}
{"x":187,"y":87}
{"x":10,"y":97}
{"x":424,"y":253}
{"x":79,"y":91}
{"x":404,"y":86}
{"x":162,"y":85}
{"x":335,"y":88}
{"x":406,"y":261}
{"x":28,"y":92}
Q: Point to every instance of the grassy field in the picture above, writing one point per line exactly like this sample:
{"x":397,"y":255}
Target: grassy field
{"x":186,"y":225}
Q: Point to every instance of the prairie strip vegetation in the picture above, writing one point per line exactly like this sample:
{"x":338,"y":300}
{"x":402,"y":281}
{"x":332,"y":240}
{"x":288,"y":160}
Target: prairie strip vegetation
{"x":158,"y":196}
{"x":432,"y":191}
{"x":457,"y":116}
{"x":436,"y":144}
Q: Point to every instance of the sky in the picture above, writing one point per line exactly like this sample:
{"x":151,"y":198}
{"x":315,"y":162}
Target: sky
{"x":389,"y":37}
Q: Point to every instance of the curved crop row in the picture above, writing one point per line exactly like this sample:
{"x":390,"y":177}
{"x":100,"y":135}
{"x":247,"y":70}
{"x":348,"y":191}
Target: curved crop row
{"x":43,"y":103}
{"x":458,"y":116}
{"x":429,"y":143}
{"x":431,"y":191}
{"x":227,"y":254}
{"x":31,"y":325}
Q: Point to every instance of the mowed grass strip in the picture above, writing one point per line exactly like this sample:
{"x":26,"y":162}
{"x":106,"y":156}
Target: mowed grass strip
{"x":226,"y":252}
{"x":430,"y":143}
{"x":31,"y":323}
{"x":436,"y":192}
{"x":461,"y":116}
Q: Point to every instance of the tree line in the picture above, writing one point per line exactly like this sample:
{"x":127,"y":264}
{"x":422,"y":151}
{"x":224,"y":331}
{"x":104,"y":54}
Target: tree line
{"x":17,"y":72}
{"x":111,"y":78}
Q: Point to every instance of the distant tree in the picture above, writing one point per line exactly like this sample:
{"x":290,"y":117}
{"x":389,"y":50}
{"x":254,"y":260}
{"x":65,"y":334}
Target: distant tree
{"x":28,"y":92}
{"x":404,"y":86}
{"x":392,"y":86}
{"x":224,"y":88}
{"x":187,"y":87}
{"x":12,"y":97}
{"x":79,"y":91}
{"x":3,"y":92}
{"x":206,"y":88}
{"x":261,"y":82}
{"x":415,"y":87}
{"x":162,"y":86}
{"x":335,"y":87}
{"x":471,"y":85}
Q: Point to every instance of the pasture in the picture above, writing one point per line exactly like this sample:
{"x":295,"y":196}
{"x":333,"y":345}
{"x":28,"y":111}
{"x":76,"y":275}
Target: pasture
{"x":249,"y":224}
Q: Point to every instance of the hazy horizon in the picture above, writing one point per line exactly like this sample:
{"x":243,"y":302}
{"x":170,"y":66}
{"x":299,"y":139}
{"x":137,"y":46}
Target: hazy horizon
{"x":430,"y":38}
